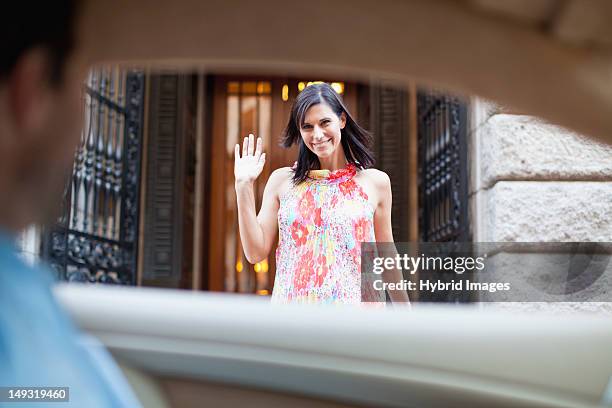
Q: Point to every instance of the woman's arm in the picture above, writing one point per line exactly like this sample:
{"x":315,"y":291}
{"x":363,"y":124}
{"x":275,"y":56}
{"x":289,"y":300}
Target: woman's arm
{"x":256,"y":231}
{"x":384,"y":232}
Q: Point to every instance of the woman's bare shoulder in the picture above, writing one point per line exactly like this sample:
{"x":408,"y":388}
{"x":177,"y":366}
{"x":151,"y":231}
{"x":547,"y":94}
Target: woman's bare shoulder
{"x":280,"y":179}
{"x":377,"y":177}
{"x":282,"y":174}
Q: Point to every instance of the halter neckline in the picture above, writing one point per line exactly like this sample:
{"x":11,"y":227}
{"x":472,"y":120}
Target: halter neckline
{"x":336,"y":175}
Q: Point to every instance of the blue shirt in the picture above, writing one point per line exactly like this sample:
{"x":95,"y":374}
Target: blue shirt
{"x":40,"y":346}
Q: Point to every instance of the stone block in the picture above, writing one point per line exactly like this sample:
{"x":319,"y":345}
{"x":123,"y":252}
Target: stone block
{"x":552,"y":308}
{"x":524,"y":211}
{"x":545,"y":274}
{"x":516,"y":147}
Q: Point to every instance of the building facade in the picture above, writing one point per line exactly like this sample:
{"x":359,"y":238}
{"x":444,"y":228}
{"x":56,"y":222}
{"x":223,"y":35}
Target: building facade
{"x":461,"y":170}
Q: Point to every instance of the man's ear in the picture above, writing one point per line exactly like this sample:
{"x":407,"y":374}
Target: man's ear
{"x":29,"y":91}
{"x":342,"y":120}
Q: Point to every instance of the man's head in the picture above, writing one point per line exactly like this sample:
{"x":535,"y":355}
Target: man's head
{"x":40,"y":108}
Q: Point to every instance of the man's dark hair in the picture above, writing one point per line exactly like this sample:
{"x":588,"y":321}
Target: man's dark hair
{"x":45,"y":24}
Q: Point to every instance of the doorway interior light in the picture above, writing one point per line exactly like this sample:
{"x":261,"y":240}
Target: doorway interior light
{"x":261,"y":267}
{"x":336,"y":86}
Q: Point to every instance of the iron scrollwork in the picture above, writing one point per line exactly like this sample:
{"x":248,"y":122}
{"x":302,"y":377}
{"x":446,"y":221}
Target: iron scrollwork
{"x":443,"y":181}
{"x":96,"y":237}
{"x":443,"y":168}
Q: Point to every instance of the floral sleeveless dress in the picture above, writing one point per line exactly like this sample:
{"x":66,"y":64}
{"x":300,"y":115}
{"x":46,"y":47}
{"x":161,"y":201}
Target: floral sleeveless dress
{"x":322,"y":222}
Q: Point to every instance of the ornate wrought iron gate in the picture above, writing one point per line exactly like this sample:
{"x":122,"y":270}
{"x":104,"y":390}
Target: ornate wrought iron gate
{"x":443,"y":183}
{"x":95,"y":239}
{"x":443,"y":189}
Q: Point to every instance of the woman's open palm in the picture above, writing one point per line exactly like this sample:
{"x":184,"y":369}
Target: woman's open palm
{"x":248,"y":167}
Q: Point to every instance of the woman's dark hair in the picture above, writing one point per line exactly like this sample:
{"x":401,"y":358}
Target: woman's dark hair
{"x":355,"y":140}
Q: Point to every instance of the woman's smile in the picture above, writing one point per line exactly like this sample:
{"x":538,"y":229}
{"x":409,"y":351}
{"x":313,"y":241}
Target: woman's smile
{"x":321,"y":144}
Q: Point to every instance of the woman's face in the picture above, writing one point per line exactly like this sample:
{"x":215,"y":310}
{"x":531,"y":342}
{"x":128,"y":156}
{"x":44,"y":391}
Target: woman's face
{"x":321,"y":130}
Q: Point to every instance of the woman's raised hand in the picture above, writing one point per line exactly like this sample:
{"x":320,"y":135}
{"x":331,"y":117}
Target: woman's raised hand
{"x":248,"y":167}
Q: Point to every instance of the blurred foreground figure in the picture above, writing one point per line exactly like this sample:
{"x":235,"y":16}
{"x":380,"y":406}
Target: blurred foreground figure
{"x":40,"y":124}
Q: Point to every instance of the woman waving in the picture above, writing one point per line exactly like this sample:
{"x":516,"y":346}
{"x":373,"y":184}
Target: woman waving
{"x":323,"y":207}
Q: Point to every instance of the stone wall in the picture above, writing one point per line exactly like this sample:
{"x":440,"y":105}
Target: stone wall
{"x":531,"y":181}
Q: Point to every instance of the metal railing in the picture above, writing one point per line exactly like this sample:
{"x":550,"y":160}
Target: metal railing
{"x":96,"y":237}
{"x":443,"y":179}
